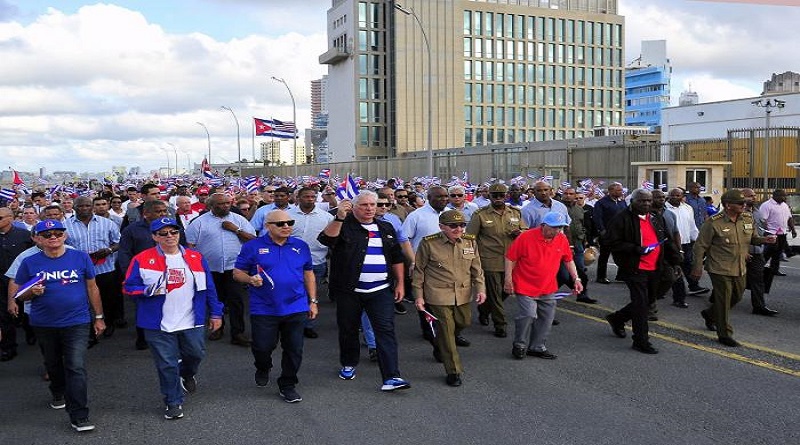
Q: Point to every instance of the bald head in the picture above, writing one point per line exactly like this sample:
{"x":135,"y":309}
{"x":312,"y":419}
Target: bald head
{"x":279,"y":226}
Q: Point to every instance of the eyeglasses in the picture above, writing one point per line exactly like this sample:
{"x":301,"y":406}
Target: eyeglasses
{"x":383,"y":204}
{"x":269,"y":191}
{"x":497,"y":195}
{"x":456,"y":195}
{"x":289,"y":223}
{"x":455,"y":226}
{"x":401,"y":196}
{"x":169,"y":233}
{"x":53,"y":234}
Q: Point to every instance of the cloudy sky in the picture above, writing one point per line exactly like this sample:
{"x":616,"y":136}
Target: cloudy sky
{"x":88,"y":85}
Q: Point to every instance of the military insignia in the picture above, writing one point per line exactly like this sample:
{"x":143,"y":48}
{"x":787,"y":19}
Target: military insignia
{"x":469,"y":251}
{"x":748,"y":226}
{"x":514,"y":220}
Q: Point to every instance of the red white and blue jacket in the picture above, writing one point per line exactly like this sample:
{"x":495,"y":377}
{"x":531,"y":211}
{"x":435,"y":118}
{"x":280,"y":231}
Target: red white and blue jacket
{"x":148,"y":267}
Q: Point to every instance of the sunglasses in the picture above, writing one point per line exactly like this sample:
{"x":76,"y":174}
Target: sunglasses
{"x":456,"y":225}
{"x":456,"y":195}
{"x":497,"y":195}
{"x":383,"y":204}
{"x":54,"y":234}
{"x":169,"y":233}
{"x":401,"y":196}
{"x":269,"y":191}
{"x":289,"y":223}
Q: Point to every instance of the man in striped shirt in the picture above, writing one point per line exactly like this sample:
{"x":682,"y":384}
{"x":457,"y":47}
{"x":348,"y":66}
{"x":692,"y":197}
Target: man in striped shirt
{"x":366,"y":275}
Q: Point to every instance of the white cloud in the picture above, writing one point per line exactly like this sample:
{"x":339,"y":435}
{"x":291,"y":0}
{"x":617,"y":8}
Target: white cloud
{"x":105,"y":87}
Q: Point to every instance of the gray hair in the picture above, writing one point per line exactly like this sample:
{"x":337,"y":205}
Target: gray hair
{"x":455,"y":189}
{"x":636,"y":194}
{"x":363,"y":194}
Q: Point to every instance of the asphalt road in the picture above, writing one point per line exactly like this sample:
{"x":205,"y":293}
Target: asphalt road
{"x":598,"y":391}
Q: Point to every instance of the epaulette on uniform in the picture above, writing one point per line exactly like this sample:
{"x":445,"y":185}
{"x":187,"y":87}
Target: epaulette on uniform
{"x":434,"y":236}
{"x":717,"y":216}
{"x":468,"y":236}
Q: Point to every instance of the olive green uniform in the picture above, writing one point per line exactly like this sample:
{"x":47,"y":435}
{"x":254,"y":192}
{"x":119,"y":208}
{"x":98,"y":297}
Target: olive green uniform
{"x":445,"y":274}
{"x":725,"y":244}
{"x":495,"y":232}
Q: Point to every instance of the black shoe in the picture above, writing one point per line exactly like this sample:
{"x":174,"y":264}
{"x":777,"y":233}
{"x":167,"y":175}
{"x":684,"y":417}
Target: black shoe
{"x":556,"y":322}
{"x":290,"y":395}
{"x":765,"y":311}
{"x":373,"y":355}
{"x":728,"y":341}
{"x":461,"y":341}
{"x":617,"y":328}
{"x":173,"y":412}
{"x":645,"y":348}
{"x":698,"y":290}
{"x":58,"y":402}
{"x":680,"y":304}
{"x":262,"y":378}
{"x":779,"y":274}
{"x":240,"y":340}
{"x":310,"y":333}
{"x":189,"y":384}
{"x":547,"y":355}
{"x":518,"y":352}
{"x":83,"y":425}
{"x":483,"y":320}
{"x":400,"y":308}
{"x":603,"y":281}
{"x":709,"y":321}
{"x":453,"y":379}
{"x":652,"y":318}
{"x":8,"y":355}
{"x":500,"y":332}
{"x":93,"y":341}
{"x":586,"y":300}
{"x":141,"y":345}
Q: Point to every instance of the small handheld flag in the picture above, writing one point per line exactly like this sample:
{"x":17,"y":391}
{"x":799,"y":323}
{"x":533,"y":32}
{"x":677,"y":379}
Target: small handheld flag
{"x":38,"y":279}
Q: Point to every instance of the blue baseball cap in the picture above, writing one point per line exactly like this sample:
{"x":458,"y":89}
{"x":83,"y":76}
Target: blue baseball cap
{"x":160,"y":223}
{"x":555,"y":219}
{"x":48,"y":224}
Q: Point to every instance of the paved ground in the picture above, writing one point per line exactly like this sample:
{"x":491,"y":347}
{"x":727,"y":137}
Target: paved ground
{"x":598,"y":391}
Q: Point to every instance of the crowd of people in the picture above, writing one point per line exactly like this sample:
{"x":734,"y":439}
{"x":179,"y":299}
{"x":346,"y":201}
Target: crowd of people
{"x":192,"y":255}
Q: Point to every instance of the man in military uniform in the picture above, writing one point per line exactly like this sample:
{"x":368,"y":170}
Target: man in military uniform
{"x":447,"y":269}
{"x":495,"y":227}
{"x":725,"y":239}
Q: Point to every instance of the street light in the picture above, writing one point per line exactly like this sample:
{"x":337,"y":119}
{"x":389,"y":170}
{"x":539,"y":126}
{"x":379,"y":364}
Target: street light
{"x":208,"y":136}
{"x":175,"y":149}
{"x":188,"y":161}
{"x":238,"y":139}
{"x":767,"y":105}
{"x":169,"y":169}
{"x":294,"y":121}
{"x":409,"y":11}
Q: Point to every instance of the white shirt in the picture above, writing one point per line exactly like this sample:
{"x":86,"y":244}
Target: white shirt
{"x":177,"y":314}
{"x":684,"y":218}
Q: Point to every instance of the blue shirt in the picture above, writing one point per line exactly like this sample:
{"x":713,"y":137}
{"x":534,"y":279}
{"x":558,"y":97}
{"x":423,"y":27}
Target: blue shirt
{"x":307,"y":227}
{"x":282,"y":270}
{"x":699,"y":207}
{"x":467,"y":211}
{"x":101,"y":233}
{"x":394,"y":220}
{"x":218,"y":246}
{"x":65,"y":301}
{"x":420,"y":223}
{"x":533,"y":213}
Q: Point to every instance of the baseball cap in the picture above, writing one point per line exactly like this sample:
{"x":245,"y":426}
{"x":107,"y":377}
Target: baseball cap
{"x":202,"y":191}
{"x":48,"y":224}
{"x":160,"y":223}
{"x":555,"y":219}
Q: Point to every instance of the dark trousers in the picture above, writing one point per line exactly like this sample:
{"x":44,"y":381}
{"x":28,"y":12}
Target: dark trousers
{"x":602,"y":261}
{"x":231,"y":294}
{"x":495,"y":296}
{"x":64,"y":352}
{"x":686,"y":266}
{"x":111,"y":295}
{"x":772,"y":252}
{"x":266,"y":331}
{"x":755,"y":280}
{"x":379,"y":307}
{"x":643,"y":286}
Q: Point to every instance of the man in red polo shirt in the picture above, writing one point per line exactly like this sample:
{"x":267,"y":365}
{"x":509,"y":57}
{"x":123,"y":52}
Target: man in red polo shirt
{"x":531,"y":267}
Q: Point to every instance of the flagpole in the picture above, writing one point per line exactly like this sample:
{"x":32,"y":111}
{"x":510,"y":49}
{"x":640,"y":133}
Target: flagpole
{"x":253,"y":121}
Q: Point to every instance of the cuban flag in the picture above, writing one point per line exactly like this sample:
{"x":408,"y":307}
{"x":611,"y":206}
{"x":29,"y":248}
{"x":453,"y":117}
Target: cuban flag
{"x":252,"y":183}
{"x":17,"y":179}
{"x":325,"y":173}
{"x":38,"y":279}
{"x":647,"y":185}
{"x":265,"y":275}
{"x":348,"y":189}
{"x":7,"y":194}
{"x":431,"y":319}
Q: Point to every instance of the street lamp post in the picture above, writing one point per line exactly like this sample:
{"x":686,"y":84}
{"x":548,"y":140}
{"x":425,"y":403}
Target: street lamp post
{"x":409,"y":11}
{"x":767,"y":105}
{"x":294,"y":121}
{"x":208,"y":137}
{"x":174,"y":149}
{"x":238,"y":138}
{"x":188,"y":161}
{"x":169,"y":169}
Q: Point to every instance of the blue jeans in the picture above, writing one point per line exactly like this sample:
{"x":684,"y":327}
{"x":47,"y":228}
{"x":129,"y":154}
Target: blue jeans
{"x":379,"y":307}
{"x":320,"y":270}
{"x":64,"y":351}
{"x":266,"y":330}
{"x":177,"y":354}
{"x":369,"y":333}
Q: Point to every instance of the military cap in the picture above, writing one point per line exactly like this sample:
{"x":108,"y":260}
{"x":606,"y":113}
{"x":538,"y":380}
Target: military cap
{"x":451,"y":216}
{"x":733,"y":196}
{"x":498,"y":188}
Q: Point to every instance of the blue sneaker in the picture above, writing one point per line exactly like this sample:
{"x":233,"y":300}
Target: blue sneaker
{"x":347,"y":373}
{"x":394,"y":384}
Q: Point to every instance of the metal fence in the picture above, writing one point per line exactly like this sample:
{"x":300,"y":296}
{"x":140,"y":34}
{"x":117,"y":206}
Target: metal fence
{"x":577,"y":159}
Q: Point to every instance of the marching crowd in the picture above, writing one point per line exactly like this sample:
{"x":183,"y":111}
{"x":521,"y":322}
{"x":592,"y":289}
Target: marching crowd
{"x":191,"y":257}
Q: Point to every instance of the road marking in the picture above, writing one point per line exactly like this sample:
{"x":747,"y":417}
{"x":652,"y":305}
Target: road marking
{"x":730,"y":355}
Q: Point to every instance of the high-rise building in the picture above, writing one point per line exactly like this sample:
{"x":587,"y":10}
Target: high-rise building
{"x":502,"y":71}
{"x":688,"y":97}
{"x":317,"y":135}
{"x":647,"y":85}
{"x":788,"y":82}
{"x":271,"y":151}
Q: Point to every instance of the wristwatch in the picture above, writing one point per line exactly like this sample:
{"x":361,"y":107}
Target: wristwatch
{"x":99,"y":317}
{"x":336,"y":218}
{"x":313,"y":301}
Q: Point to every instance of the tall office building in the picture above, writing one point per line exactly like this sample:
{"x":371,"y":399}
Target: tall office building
{"x":647,"y":85}
{"x":317,"y":135}
{"x":502,"y":71}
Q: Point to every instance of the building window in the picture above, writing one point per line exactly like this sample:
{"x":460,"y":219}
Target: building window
{"x":659,"y":178}
{"x":477,"y":19}
{"x":699,"y":176}
{"x":467,"y":23}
